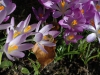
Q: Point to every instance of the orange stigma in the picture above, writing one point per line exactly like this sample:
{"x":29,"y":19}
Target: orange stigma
{"x":74,"y":22}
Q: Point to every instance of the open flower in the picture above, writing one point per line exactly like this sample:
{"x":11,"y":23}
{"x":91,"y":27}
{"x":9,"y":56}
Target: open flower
{"x":75,"y":22}
{"x":13,"y":47}
{"x":45,"y":32}
{"x":7,"y":6}
{"x":70,"y":36}
{"x":60,"y":9}
{"x":22,"y":27}
{"x":40,"y":15}
{"x":96,"y":30}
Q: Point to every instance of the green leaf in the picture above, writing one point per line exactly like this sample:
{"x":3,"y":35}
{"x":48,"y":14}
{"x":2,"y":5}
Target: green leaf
{"x":6,"y":64}
{"x":25,"y":70}
{"x":1,"y":57}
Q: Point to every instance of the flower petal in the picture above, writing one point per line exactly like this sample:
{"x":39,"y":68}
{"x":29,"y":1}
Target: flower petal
{"x":18,"y":40}
{"x":10,"y":8}
{"x":38,"y":37}
{"x":46,"y":28}
{"x":57,"y":14}
{"x":2,"y":15}
{"x":91,"y":37}
{"x":54,"y":33}
{"x":42,"y":48}
{"x":10,"y":57}
{"x":17,"y":54}
{"x":38,"y":26}
{"x":12,"y":21}
{"x":24,"y":47}
{"x":10,"y":36}
{"x":26,"y":22}
{"x":47,"y":43}
{"x":4,"y":26}
{"x":96,"y":19}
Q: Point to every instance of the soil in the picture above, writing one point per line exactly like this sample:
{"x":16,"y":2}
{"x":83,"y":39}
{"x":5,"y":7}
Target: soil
{"x":62,"y":67}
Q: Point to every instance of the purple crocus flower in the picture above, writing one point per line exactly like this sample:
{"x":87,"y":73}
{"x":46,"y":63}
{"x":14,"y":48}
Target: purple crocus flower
{"x":7,"y":6}
{"x":61,"y":8}
{"x":70,"y":36}
{"x":96,"y":30}
{"x":22,"y":27}
{"x":88,"y":10}
{"x":45,"y":31}
{"x":13,"y":47}
{"x":40,"y":15}
{"x":75,"y":22}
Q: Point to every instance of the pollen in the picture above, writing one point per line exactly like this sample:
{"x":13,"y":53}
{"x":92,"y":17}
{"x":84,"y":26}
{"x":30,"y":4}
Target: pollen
{"x":98,"y":31}
{"x":12,"y":48}
{"x":98,"y":7}
{"x":74,"y":22}
{"x":62,"y":3}
{"x":70,"y":37}
{"x":2,"y":7}
{"x":27,"y":29}
{"x":82,"y":11}
{"x":16,"y":34}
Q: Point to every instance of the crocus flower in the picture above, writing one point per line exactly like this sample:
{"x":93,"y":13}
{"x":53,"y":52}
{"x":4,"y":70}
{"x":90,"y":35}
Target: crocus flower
{"x":75,"y":22}
{"x":22,"y":27}
{"x":61,"y":8}
{"x":96,"y":30}
{"x":8,"y":6}
{"x":13,"y":47}
{"x":40,"y":15}
{"x":42,"y":33}
{"x":70,"y":36}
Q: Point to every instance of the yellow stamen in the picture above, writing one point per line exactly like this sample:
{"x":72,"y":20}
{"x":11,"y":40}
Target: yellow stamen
{"x":16,"y":34}
{"x":98,"y":7}
{"x":12,"y":48}
{"x":40,"y":15}
{"x":82,"y":11}
{"x":74,"y":22}
{"x":70,"y":37}
{"x":98,"y":31}
{"x":62,"y":3}
{"x":48,"y":38}
{"x":2,"y":7}
{"x":27,"y":29}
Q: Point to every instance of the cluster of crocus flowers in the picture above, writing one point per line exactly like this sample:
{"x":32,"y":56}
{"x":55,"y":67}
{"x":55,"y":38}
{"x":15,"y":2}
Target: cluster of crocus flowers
{"x":16,"y":37}
{"x":77,"y":16}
